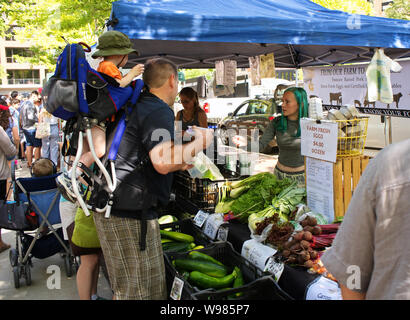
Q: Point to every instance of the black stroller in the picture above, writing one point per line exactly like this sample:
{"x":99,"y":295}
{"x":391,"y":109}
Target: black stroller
{"x":42,"y":198}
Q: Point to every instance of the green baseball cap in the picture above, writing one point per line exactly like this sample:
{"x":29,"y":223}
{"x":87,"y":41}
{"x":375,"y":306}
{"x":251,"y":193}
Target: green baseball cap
{"x":112,"y":43}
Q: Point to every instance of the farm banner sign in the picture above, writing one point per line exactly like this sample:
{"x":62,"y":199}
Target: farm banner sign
{"x":341,"y":85}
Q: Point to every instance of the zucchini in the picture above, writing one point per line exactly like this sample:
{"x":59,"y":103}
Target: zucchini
{"x":177,"y":236}
{"x":167,"y":219}
{"x":198,"y":247}
{"x":209,"y":268}
{"x":202,"y":256}
{"x":205,"y":281}
{"x":166,"y":240}
{"x":176,"y":247}
{"x":238,"y":282}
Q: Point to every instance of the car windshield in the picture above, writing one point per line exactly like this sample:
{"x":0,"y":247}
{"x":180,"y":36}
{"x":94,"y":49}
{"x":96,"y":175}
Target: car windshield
{"x":257,"y":107}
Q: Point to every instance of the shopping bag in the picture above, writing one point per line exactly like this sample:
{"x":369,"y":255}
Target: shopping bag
{"x":13,"y":216}
{"x":84,"y":233}
{"x":43,"y":130}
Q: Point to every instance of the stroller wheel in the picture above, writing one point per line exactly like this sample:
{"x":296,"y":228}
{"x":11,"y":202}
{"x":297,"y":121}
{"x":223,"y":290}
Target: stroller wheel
{"x":13,"y":257}
{"x":27,"y":274}
{"x":68,"y":265}
{"x":16,"y":274}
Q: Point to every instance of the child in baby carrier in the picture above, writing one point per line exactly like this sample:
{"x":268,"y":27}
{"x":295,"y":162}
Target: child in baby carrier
{"x":114,"y":47}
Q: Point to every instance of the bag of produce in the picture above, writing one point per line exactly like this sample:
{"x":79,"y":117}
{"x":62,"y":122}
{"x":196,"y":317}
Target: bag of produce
{"x":204,"y":168}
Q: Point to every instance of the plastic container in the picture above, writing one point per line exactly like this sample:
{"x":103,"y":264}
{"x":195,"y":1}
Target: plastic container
{"x":258,"y":285}
{"x":352,"y":139}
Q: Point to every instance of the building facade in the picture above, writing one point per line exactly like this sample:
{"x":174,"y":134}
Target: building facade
{"x":21,"y":77}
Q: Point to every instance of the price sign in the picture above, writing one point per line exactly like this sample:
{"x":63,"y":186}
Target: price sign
{"x":318,"y":140}
{"x":274,"y":267}
{"x":323,"y":289}
{"x":222,"y":233}
{"x":212,"y":224}
{"x":176,"y":290}
{"x":257,"y":253}
{"x":200,"y":218}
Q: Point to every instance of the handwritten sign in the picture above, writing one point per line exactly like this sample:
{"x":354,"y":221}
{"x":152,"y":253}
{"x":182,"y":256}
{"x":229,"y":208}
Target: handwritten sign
{"x":318,"y":139}
{"x":257,"y":253}
{"x":319,"y":187}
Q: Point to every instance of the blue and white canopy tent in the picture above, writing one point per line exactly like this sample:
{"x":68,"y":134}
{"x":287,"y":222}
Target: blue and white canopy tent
{"x":300,"y":33}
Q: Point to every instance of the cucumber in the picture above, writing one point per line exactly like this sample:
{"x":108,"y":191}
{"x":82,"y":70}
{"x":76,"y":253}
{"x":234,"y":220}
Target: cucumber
{"x":238,"y":282}
{"x":177,"y":236}
{"x":209,"y":268}
{"x":198,"y":247}
{"x":202,"y":256}
{"x":205,"y":281}
{"x":166,"y":240}
{"x":176,"y":247}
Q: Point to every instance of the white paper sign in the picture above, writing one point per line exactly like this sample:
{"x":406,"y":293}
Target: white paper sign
{"x":323,"y":289}
{"x":274,"y":267}
{"x":319,"y":187}
{"x":257,"y":253}
{"x":222,"y":234}
{"x":348,"y":85}
{"x":176,"y":290}
{"x":212,"y":224}
{"x":318,"y":140}
{"x":200,"y":218}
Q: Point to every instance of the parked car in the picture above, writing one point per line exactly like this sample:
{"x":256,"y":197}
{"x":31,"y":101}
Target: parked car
{"x":250,"y":114}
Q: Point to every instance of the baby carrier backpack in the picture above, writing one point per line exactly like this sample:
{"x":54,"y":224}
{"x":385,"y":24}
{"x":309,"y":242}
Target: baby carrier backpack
{"x":84,"y":97}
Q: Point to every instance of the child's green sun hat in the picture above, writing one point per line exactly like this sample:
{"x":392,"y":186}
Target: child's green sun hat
{"x":112,"y":43}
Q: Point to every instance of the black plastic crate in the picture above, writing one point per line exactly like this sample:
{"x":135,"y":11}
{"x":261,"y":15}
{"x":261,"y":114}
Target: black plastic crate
{"x":175,"y":208}
{"x":201,"y":192}
{"x":187,"y":226}
{"x":258,"y":285}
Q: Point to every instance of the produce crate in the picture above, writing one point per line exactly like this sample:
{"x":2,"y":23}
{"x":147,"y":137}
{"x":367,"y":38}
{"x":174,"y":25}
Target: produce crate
{"x":346,"y":175}
{"x":201,"y":192}
{"x":258,"y":285}
{"x":187,"y":226}
{"x":175,"y":208}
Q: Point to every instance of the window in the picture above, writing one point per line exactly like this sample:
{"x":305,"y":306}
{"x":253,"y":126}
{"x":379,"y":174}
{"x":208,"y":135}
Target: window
{"x":12,"y":52}
{"x":23,"y":76}
{"x":257,"y":107}
{"x":241,"y":110}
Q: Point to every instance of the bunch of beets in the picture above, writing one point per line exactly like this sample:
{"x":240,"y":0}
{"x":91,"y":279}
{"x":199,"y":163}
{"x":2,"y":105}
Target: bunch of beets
{"x":299,"y":249}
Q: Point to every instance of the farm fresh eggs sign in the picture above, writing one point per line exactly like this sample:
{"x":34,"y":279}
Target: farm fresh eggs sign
{"x":348,"y":85}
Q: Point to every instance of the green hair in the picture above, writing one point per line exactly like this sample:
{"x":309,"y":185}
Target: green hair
{"x":302,"y":101}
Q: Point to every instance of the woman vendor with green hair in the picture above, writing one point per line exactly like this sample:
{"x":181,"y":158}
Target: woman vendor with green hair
{"x":286,"y":129}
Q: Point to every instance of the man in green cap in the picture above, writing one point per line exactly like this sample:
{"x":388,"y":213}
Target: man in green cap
{"x":114,"y":47}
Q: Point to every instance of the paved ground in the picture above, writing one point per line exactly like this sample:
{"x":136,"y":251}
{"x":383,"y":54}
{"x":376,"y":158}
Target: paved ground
{"x":49,"y":278}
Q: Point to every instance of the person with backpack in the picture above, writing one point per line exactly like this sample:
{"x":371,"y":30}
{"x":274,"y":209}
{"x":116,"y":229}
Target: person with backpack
{"x":114,"y":47}
{"x":28,"y":120}
{"x":147,"y":155}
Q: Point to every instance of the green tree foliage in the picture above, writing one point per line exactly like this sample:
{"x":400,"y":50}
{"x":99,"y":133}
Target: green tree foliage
{"x":44,"y":22}
{"x":350,"y":6}
{"x":399,"y":9}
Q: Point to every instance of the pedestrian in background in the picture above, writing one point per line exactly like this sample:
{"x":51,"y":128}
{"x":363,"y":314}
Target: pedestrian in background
{"x":7,"y":152}
{"x":29,"y":119}
{"x":49,"y":144}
